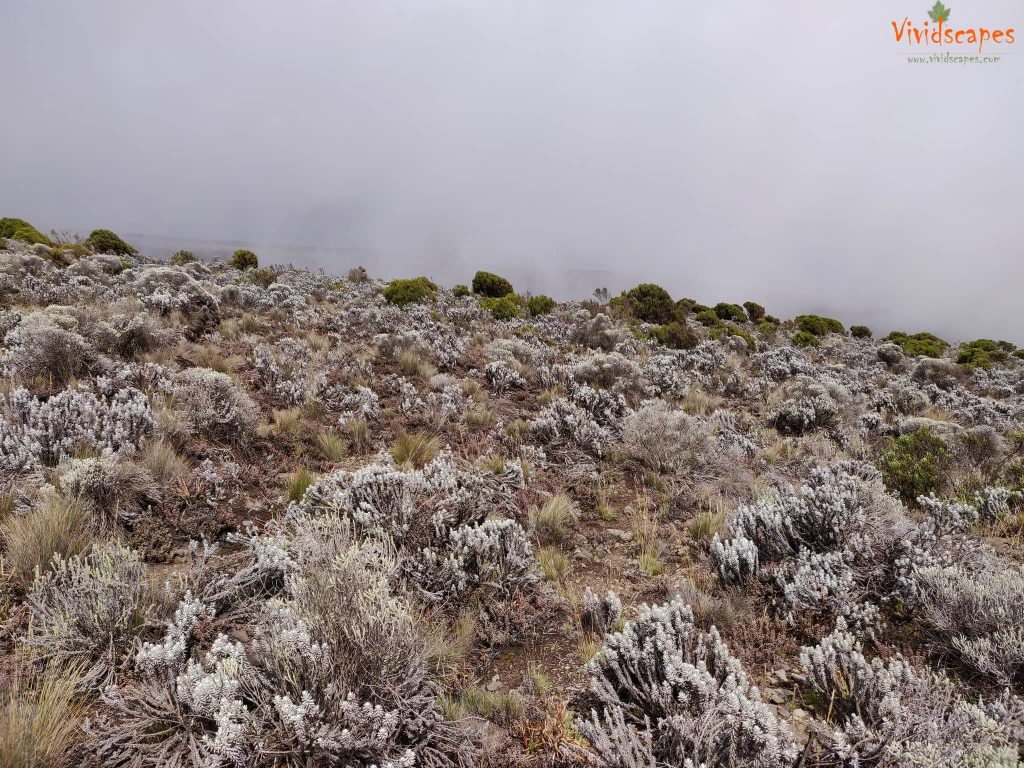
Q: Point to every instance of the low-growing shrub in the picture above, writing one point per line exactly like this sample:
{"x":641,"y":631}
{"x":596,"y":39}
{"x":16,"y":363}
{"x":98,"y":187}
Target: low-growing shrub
{"x":733,"y":312}
{"x":915,"y":464}
{"x":243,"y":259}
{"x":650,"y":303}
{"x":726,"y":330}
{"x":918,"y":344}
{"x":460,"y":290}
{"x":818,"y":325}
{"x":261,"y":276}
{"x":983,"y":353}
{"x":505,"y":308}
{"x":754,"y":311}
{"x":540,"y":304}
{"x":676,"y":335}
{"x":491,"y":285}
{"x":19,"y":229}
{"x":805,"y":339}
{"x":214,"y":408}
{"x":412,"y":290}
{"x":860,"y":332}
{"x":183,"y":257}
{"x":105,"y":241}
{"x":708,"y":318}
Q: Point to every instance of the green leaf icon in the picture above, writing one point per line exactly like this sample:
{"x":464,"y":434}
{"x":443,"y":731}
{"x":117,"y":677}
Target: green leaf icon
{"x":939,"y":12}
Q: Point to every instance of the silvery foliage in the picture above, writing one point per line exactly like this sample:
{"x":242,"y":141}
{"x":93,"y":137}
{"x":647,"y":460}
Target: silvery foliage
{"x":672,"y":694}
{"x":447,"y":402}
{"x":781,"y":363}
{"x":808,"y":405}
{"x":332,"y":672}
{"x":600,"y":614}
{"x":605,"y":406}
{"x":89,"y":608}
{"x":502,"y":376}
{"x":663,"y":438}
{"x":597,"y":332}
{"x":213,"y":407}
{"x":289,"y":371}
{"x":462,"y":548}
{"x":613,"y":371}
{"x":563,"y":422}
{"x":666,"y":374}
{"x":359,"y":403}
{"x":166,"y":288}
{"x":889,"y":714}
{"x":823,"y":545}
{"x":112,"y":491}
{"x":47,"y":343}
{"x":36,"y":432}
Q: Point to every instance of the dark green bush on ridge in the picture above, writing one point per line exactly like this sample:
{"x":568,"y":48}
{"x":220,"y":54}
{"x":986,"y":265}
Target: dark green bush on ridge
{"x":19,"y":229}
{"x":412,"y":290}
{"x":491,"y":285}
{"x":650,"y":303}
{"x":105,"y":241}
{"x":460,"y":290}
{"x":914,"y":464}
{"x":677,"y":335}
{"x":540,"y":304}
{"x":983,"y":353}
{"x":708,"y":318}
{"x":733,"y":312}
{"x":243,"y":258}
{"x":504,"y":307}
{"x":180,"y":258}
{"x":805,"y":339}
{"x":818,"y":325}
{"x":926,"y":344}
{"x":754,"y":311}
{"x":860,"y":332}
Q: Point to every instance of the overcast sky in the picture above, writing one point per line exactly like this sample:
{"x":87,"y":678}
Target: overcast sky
{"x":728,"y":150}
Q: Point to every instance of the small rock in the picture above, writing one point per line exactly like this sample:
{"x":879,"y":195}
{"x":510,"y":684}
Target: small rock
{"x":775,"y":695}
{"x":781,"y":676}
{"x":619,"y":534}
{"x":798,"y":714}
{"x":494,"y":686}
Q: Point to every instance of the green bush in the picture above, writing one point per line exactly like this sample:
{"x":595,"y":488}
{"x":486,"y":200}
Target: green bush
{"x":503,"y":307}
{"x":765,"y":327}
{"x":860,"y":332}
{"x":540,"y":304}
{"x":180,"y":258}
{"x":1019,"y":353}
{"x":733,"y":312}
{"x":754,"y":310}
{"x":677,"y":335}
{"x":105,"y":241}
{"x":818,"y":325}
{"x":926,"y":344}
{"x":805,"y":339}
{"x":264,"y":276}
{"x":19,"y":229}
{"x":460,"y":290}
{"x":914,"y":464}
{"x":650,"y":303}
{"x":409,"y":291}
{"x":491,"y":285}
{"x":721,"y":332}
{"x":983,"y":353}
{"x":708,"y":317}
{"x":243,"y":258}
{"x":682,"y":308}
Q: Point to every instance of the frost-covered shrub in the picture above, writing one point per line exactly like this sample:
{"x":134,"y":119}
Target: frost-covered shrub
{"x":675,"y":695}
{"x":34,"y":431}
{"x":944,"y":374}
{"x":597,"y":332}
{"x":807,"y":405}
{"x":600,"y":614}
{"x":661,"y":438}
{"x":976,"y":610}
{"x":502,"y":376}
{"x":781,"y":363}
{"x":47,"y":345}
{"x":90,"y":608}
{"x":614,"y":371}
{"x":563,"y":422}
{"x":291,"y":371}
{"x":112,"y":491}
{"x":890,"y":714}
{"x":213,"y":407}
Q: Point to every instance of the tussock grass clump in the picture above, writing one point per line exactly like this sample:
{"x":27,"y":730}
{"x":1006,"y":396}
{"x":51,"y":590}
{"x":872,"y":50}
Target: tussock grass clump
{"x":553,"y":563}
{"x":30,"y":542}
{"x":40,"y":718}
{"x":415,"y":449}
{"x":552,"y":519}
{"x":331,"y":445}
{"x":297,"y":484}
